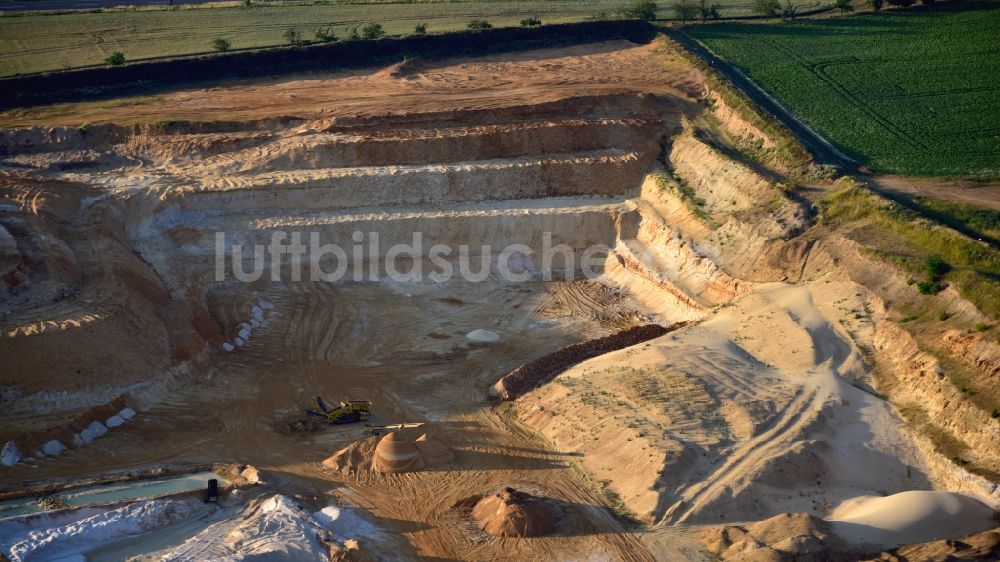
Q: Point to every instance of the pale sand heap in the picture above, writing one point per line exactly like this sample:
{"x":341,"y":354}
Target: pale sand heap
{"x":393,"y":453}
{"x":434,"y":452}
{"x":510,"y":513}
{"x":481,"y":335}
{"x":910,"y":517}
{"x":355,"y":457}
{"x":396,"y":454}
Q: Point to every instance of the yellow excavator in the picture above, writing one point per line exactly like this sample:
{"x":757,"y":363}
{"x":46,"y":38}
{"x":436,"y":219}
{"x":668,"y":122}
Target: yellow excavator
{"x":350,"y":411}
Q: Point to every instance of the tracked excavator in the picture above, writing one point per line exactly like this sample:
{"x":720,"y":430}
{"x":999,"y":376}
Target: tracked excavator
{"x":349,"y":411}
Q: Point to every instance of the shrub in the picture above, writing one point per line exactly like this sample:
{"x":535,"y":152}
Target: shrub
{"x":876,"y":5}
{"x":292,"y":36}
{"x":372,"y":31}
{"x":929,"y":287}
{"x":902,"y":3}
{"x":936,"y":266}
{"x":944,"y":315}
{"x":530,"y":22}
{"x":221,"y":45}
{"x":166,"y":125}
{"x":479,"y":25}
{"x":766,"y":8}
{"x":995,"y":413}
{"x":844,"y":6}
{"x":420,"y":29}
{"x":982,"y":326}
{"x":788,"y":11}
{"x":325,"y":34}
{"x":115,"y":59}
{"x":685,"y":10}
{"x":641,"y":10}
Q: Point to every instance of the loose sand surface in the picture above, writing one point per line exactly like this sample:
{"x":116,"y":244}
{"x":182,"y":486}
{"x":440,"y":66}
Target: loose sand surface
{"x":761,"y":404}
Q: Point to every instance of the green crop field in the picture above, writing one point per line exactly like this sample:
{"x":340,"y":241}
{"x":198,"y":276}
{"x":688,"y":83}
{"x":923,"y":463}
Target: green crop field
{"x":40,"y":42}
{"x":913,"y":92}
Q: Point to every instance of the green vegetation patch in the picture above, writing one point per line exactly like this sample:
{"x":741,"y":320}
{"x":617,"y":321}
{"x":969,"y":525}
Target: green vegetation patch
{"x":938,"y":254}
{"x":913,"y":91}
{"x":979,"y":222}
{"x":37,"y":42}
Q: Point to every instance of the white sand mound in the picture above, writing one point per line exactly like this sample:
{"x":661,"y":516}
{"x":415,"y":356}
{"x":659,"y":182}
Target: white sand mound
{"x":10,"y":455}
{"x":62,"y":539}
{"x":53,"y":448}
{"x":346,"y":524}
{"x":910,"y":517}
{"x":91,"y":432}
{"x":276,"y":530}
{"x":483,"y":336}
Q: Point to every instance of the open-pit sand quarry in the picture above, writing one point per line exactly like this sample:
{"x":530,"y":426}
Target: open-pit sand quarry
{"x":123,"y":352}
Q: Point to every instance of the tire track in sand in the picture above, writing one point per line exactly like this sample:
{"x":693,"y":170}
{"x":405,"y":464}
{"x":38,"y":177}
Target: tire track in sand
{"x":750,"y":455}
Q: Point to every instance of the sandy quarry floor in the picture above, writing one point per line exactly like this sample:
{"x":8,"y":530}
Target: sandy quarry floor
{"x":412,"y":359}
{"x":761,"y":405}
{"x":485,"y":82}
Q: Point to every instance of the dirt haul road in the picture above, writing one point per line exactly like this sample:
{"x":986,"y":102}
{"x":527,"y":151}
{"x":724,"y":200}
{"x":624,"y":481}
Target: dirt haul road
{"x":112,"y":303}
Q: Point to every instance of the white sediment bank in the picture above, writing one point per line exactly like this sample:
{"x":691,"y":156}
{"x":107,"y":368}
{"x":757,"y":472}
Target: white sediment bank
{"x":258,"y":313}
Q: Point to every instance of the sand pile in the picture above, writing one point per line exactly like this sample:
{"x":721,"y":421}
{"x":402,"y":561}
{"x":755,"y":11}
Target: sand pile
{"x":981,"y":546}
{"x":787,"y":536}
{"x":394,"y":452}
{"x":68,"y":534}
{"x":910,"y":517}
{"x":275,"y":529}
{"x":510,"y":513}
{"x":485,"y":336}
{"x":355,"y":457}
{"x":406,"y":68}
{"x":434,"y":452}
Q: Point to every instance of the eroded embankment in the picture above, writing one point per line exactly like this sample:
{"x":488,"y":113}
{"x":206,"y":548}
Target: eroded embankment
{"x":540,"y":371}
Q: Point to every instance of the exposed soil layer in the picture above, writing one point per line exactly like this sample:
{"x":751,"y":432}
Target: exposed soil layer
{"x":137,"y":330}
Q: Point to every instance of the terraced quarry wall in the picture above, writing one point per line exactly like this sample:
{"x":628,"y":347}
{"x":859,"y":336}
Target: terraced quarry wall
{"x":138,"y":274}
{"x":562,"y":176}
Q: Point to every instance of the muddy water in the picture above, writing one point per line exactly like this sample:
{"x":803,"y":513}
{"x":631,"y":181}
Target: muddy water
{"x":97,"y":495}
